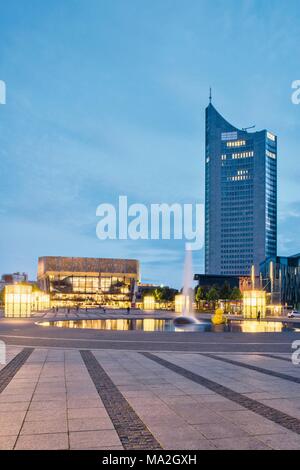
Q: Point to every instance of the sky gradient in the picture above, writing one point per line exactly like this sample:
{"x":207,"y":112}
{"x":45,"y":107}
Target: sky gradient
{"x":107,"y":98}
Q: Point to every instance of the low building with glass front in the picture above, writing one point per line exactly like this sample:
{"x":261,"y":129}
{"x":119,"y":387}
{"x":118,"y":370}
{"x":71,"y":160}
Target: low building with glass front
{"x":254,"y":304}
{"x":89,"y":282}
{"x":280,"y":277}
{"x":20,"y":300}
{"x":207,"y":281}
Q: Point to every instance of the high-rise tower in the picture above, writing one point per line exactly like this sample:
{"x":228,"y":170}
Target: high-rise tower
{"x":240,"y":196}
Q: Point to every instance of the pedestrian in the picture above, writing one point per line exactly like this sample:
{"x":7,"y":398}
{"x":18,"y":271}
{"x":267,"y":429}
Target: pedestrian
{"x":258,"y":315}
{"x":128,"y":310}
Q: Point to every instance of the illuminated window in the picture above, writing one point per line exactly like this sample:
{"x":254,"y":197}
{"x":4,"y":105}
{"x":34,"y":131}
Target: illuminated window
{"x":271,"y":154}
{"x":237,"y":143}
{"x":149,"y":302}
{"x":105,"y":283}
{"x":271,"y":136}
{"x":242,"y":155}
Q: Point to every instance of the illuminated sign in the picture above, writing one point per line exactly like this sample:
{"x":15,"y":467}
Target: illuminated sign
{"x":229,"y":136}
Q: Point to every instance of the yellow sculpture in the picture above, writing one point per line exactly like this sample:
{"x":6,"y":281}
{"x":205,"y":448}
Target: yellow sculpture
{"x":218,"y":317}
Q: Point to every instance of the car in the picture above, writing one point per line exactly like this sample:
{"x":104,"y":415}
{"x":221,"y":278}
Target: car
{"x":293,"y":314}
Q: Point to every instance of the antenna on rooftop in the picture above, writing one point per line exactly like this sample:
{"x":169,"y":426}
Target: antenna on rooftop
{"x":247,"y":128}
{"x":210,"y":98}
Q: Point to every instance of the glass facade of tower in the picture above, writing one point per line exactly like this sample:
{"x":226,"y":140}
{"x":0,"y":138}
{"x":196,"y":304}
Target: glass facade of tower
{"x":240,"y":197}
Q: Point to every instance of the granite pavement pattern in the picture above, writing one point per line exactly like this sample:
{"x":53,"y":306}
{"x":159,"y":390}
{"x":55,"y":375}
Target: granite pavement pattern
{"x":55,"y":398}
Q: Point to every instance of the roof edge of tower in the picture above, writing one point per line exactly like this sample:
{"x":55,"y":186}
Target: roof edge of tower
{"x":211,"y":108}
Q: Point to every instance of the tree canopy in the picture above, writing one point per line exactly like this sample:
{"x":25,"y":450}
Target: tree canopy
{"x":214,"y":293}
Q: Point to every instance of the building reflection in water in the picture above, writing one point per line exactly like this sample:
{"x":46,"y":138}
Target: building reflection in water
{"x":154,"y":324}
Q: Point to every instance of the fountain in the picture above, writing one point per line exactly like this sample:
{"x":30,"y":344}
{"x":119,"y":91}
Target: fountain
{"x":187,"y":313}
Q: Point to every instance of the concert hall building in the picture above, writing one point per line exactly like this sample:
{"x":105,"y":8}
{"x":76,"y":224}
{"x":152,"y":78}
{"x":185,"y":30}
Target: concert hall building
{"x":89,"y":282}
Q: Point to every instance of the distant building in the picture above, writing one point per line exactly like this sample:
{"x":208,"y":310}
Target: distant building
{"x":143,"y":289}
{"x":280,"y":276}
{"x":207,"y":281}
{"x":240,"y":197}
{"x":13,"y":278}
{"x":88,"y":281}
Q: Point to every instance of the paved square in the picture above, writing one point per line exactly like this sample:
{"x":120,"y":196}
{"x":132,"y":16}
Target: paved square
{"x":110,"y":399}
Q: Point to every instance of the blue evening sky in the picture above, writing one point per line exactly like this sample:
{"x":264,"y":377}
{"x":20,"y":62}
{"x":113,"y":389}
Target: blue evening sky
{"x":107,"y":97}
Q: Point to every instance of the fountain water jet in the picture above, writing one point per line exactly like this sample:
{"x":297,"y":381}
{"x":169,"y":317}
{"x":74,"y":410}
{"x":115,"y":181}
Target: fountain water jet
{"x":187,"y":314}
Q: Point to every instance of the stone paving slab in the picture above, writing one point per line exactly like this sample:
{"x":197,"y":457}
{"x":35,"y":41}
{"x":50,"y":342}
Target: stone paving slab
{"x":240,"y":443}
{"x":94,"y":439}
{"x":53,"y":441}
{"x":49,"y":426}
{"x":7,"y":442}
{"x":90,"y":424}
{"x":85,"y":413}
{"x":281,"y":441}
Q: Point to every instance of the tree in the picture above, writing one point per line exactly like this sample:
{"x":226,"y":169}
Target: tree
{"x":199,"y":295}
{"x":225,"y":291}
{"x":169,"y":293}
{"x":2,"y":295}
{"x":147,"y":292}
{"x":164,"y":294}
{"x":236,"y":294}
{"x":158,"y":294}
{"x":212,"y":295}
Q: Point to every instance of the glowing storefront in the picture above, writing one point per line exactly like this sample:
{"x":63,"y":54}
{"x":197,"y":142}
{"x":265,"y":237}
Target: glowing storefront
{"x":149,"y":302}
{"x":183,"y":303}
{"x":20,"y":300}
{"x":254,"y":303}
